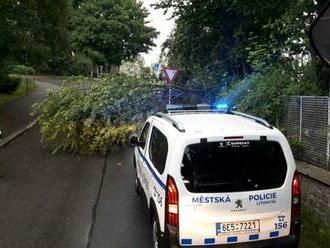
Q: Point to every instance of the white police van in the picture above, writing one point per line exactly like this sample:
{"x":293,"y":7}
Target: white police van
{"x":217,"y":178}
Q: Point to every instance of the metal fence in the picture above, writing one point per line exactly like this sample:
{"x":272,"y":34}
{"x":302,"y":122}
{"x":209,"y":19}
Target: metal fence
{"x":306,"y":120}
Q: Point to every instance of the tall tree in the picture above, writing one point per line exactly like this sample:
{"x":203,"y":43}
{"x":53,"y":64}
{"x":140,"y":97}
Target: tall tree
{"x":111,"y":31}
{"x":229,"y":39}
{"x":34,"y":32}
{"x":54,"y":19}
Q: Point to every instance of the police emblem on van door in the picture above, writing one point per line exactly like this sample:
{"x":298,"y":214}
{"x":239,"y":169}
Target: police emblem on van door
{"x":239,"y":204}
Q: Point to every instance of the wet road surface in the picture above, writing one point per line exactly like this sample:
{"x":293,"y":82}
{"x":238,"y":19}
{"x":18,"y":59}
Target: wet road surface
{"x":121,"y":217}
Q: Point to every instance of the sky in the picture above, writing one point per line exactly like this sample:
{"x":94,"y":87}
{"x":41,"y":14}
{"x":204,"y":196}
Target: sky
{"x":159,"y":21}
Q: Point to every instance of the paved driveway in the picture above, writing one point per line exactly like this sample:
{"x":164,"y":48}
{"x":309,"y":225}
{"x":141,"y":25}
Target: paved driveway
{"x":16,"y":114}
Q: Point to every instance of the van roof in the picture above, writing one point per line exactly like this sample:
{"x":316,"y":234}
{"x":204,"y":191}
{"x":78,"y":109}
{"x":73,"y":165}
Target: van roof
{"x":216,"y":123}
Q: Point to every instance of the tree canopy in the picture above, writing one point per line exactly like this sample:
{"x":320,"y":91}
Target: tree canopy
{"x":34,"y":32}
{"x":251,"y":53}
{"x":45,"y":34}
{"x":111,"y":31}
{"x":230,"y":39}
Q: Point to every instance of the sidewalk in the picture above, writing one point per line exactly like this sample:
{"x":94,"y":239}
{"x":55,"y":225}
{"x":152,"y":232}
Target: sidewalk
{"x":16,"y":114}
{"x":45,"y":200}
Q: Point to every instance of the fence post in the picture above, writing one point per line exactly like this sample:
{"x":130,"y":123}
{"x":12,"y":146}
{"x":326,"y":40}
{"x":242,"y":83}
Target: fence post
{"x":328,"y":137}
{"x":300,"y":118}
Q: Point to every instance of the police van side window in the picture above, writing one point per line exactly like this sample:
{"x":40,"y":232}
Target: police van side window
{"x":144,"y":135}
{"x":158,"y":149}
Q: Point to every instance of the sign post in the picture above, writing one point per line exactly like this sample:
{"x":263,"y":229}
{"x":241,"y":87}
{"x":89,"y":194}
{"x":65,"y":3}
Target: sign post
{"x":170,"y":75}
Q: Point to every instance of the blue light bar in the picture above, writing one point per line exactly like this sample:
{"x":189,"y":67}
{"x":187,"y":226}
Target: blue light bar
{"x":222,"y":106}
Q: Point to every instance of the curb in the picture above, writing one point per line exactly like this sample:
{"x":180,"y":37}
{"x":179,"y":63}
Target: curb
{"x":313,"y":172}
{"x":17,"y":133}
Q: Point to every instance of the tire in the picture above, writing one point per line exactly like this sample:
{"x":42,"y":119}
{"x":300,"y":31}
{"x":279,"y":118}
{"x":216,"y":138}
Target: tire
{"x":136,"y":183}
{"x":293,"y":245}
{"x":157,"y":241}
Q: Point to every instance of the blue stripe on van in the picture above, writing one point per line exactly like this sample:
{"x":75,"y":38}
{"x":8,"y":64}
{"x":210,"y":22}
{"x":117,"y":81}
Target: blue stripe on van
{"x":232,"y":239}
{"x":160,"y":182}
{"x":209,"y":241}
{"x":186,"y":241}
{"x":254,"y":237}
{"x":274,"y":234}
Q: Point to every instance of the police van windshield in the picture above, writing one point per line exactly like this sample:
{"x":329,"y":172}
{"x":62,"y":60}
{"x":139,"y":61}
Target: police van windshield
{"x":233,"y":166}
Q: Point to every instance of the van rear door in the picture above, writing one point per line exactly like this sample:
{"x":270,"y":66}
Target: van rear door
{"x":234,"y":191}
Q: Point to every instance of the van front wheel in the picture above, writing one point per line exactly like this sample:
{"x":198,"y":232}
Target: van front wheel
{"x":136,"y":183}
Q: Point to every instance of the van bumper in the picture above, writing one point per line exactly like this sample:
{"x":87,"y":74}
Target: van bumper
{"x":172,"y":240}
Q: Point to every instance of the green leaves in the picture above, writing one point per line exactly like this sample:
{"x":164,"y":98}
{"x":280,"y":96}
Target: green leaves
{"x":231,"y":39}
{"x":86,"y":116}
{"x":110,"y":31}
{"x":263,"y":94}
{"x":43,"y":33}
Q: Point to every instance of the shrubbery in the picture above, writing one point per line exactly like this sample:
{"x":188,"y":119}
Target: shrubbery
{"x":264,"y":94}
{"x":8,"y":85}
{"x":20,"y":70}
{"x":86,"y":116}
{"x":80,"y":65}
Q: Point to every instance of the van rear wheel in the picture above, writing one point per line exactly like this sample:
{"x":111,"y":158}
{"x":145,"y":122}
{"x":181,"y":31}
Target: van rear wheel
{"x":293,"y":245}
{"x":157,"y":241}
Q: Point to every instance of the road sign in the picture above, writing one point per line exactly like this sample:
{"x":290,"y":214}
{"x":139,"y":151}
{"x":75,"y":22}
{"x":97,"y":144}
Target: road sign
{"x":156,"y":68}
{"x":171,"y":74}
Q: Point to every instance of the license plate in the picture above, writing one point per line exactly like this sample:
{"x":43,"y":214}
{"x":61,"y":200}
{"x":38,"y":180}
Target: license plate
{"x":239,"y":226}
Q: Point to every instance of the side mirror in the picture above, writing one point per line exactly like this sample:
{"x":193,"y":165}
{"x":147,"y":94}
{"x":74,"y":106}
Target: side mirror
{"x":134,"y":141}
{"x":320,"y":35}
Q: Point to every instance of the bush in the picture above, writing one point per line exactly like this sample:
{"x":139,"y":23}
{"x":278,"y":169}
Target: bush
{"x":264,"y":94}
{"x":295,"y":145}
{"x":8,"y":85}
{"x":92,"y":116}
{"x":20,"y":70}
{"x":80,"y":65}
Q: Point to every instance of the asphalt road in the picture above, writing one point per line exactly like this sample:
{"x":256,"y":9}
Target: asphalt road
{"x":46,"y":200}
{"x":121,"y":216}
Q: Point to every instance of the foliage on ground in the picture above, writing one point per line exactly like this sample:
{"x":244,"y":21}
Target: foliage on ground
{"x":86,"y":116}
{"x":20,"y":91}
{"x":314,"y":232}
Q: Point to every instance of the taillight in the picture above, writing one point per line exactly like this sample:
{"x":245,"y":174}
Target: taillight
{"x":295,"y":211}
{"x":172,"y":202}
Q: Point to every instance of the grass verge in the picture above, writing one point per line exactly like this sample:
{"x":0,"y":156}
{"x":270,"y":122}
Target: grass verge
{"x":314,"y":232}
{"x":21,"y":91}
